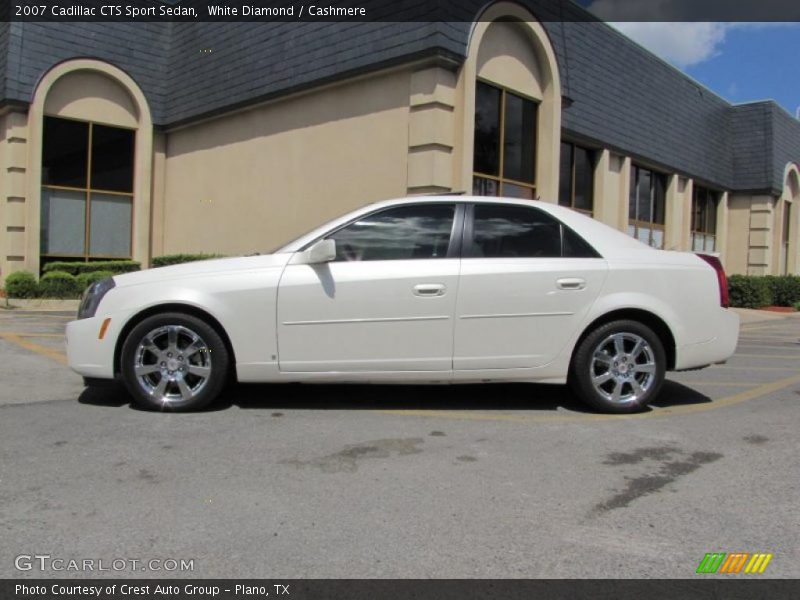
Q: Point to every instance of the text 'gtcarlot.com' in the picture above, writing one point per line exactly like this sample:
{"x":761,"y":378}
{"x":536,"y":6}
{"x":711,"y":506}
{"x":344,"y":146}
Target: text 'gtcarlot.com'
{"x":46,"y":562}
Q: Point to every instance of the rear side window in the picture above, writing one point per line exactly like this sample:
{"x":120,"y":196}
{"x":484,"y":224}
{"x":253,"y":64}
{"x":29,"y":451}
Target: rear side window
{"x":575,"y":246}
{"x":514,"y":232}
{"x":402,"y":233}
{"x":520,"y":232}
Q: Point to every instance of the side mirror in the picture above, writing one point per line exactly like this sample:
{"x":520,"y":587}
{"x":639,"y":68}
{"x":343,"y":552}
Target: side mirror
{"x":322,"y":251}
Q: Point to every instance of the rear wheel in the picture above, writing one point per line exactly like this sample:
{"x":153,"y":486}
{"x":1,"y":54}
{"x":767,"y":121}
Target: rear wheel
{"x":619,"y":367}
{"x":174,"y":361}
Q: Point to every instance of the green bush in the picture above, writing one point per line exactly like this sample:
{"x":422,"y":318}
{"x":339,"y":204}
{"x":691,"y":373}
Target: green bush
{"x":21,"y":284}
{"x":176,"y":259}
{"x":76,"y":268}
{"x":86,"y":279}
{"x":746,"y":291}
{"x":785,"y":289}
{"x":58,"y":284}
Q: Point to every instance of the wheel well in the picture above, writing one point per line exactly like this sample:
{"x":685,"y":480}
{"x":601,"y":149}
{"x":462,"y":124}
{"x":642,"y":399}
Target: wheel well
{"x":181,"y":308}
{"x":659,"y":327}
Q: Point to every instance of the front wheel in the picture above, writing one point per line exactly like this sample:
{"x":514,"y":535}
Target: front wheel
{"x":174,"y":361}
{"x":619,"y":367}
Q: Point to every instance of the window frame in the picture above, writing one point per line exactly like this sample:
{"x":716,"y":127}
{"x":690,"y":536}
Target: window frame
{"x":468,"y":237}
{"x":456,"y":232}
{"x":88,"y":190}
{"x":572,"y":174}
{"x":714,"y":196}
{"x":500,"y":179}
{"x":651,"y":225}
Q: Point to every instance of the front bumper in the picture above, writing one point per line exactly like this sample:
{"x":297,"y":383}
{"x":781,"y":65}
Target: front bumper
{"x":87,"y":354}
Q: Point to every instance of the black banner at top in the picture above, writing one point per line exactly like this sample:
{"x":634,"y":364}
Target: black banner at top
{"x":391,"y":10}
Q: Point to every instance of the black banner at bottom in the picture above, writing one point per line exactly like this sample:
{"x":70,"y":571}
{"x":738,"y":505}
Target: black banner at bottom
{"x":400,"y":589}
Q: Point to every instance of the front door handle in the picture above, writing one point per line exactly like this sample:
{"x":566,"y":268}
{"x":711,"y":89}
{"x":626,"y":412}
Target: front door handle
{"x":429,"y":289}
{"x":571,"y":283}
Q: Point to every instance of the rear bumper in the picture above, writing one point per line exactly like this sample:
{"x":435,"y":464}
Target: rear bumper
{"x":724,"y":326}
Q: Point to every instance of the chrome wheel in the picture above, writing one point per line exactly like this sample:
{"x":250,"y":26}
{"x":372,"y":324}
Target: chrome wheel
{"x":172,"y":365}
{"x":623,"y":368}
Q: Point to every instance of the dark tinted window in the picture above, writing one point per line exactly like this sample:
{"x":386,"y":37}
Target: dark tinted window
{"x":519,"y":139}
{"x":565,"y":175}
{"x":576,"y":247}
{"x":514,"y":231}
{"x":65,"y":152}
{"x":487,"y":129}
{"x":402,"y":233}
{"x":112,"y":159}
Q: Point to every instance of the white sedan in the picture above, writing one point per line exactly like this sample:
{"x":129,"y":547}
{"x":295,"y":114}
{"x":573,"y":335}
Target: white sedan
{"x":447,"y":289}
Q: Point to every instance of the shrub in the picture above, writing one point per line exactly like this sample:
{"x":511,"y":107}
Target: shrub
{"x":21,"y":284}
{"x":58,"y":284}
{"x":76,"y":268}
{"x":785,"y":289}
{"x":86,"y":279}
{"x":746,"y":291}
{"x":176,"y":259}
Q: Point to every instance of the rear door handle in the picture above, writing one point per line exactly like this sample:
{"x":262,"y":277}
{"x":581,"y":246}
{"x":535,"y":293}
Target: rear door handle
{"x":430,"y":289}
{"x":571,"y":283}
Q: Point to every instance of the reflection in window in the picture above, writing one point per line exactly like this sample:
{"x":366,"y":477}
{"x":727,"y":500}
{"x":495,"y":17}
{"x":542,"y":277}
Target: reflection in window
{"x":504,"y":161}
{"x":576,"y":179}
{"x":646,"y":207}
{"x":87,"y":190}
{"x":402,"y":233}
{"x":514,"y":231}
{"x":704,"y":219}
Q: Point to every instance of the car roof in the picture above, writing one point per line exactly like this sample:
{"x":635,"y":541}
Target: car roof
{"x":609,"y":242}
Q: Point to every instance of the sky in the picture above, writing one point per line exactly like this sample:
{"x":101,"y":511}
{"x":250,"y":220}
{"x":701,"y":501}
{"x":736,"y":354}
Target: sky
{"x":741,"y":61}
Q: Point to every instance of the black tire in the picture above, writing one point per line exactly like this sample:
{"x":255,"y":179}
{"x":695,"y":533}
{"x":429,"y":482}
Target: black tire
{"x":614,"y":381}
{"x":192,"y":381}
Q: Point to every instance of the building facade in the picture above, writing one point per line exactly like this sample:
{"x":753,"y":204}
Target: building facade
{"x":133,"y":140}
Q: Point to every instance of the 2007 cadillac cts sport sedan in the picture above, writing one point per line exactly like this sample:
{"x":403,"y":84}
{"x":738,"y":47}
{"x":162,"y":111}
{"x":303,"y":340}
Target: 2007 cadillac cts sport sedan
{"x":450,"y":289}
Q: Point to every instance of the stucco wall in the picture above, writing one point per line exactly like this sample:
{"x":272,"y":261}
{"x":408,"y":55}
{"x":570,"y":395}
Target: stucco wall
{"x":250,"y":181}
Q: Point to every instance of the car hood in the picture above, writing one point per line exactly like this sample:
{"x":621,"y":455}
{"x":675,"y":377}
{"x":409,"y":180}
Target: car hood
{"x":202,"y":268}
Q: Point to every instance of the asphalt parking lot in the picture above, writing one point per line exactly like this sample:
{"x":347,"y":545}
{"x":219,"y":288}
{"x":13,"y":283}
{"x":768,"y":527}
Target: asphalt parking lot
{"x":379,"y":481}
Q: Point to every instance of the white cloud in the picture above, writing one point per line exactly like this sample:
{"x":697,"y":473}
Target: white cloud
{"x":667,"y":27}
{"x":682,"y":44}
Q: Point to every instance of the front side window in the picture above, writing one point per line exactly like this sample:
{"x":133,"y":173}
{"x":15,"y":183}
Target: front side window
{"x":646,"y":207}
{"x":704,"y":219}
{"x":401,"y":233}
{"x":87,"y":190}
{"x":576,"y":178}
{"x":504,"y":161}
{"x":519,"y":232}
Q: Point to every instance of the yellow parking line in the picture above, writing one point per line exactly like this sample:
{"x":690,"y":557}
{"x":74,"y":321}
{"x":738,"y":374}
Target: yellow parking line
{"x":783,"y":356}
{"x":787,"y":336}
{"x":717,"y":383}
{"x":50,"y":353}
{"x":749,"y":368}
{"x":28,"y":334}
{"x":768,"y":346}
{"x":763,"y":327}
{"x":751,"y":394}
{"x":16,"y":313}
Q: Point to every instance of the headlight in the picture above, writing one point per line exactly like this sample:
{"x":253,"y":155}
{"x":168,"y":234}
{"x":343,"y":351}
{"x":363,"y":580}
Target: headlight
{"x":92,"y":296}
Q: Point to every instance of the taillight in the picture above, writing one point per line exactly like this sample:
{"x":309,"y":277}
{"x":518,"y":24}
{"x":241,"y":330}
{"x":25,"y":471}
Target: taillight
{"x":722,"y":280}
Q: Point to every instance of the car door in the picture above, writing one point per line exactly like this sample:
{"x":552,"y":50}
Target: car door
{"x":386,"y":303}
{"x":526,"y":283}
